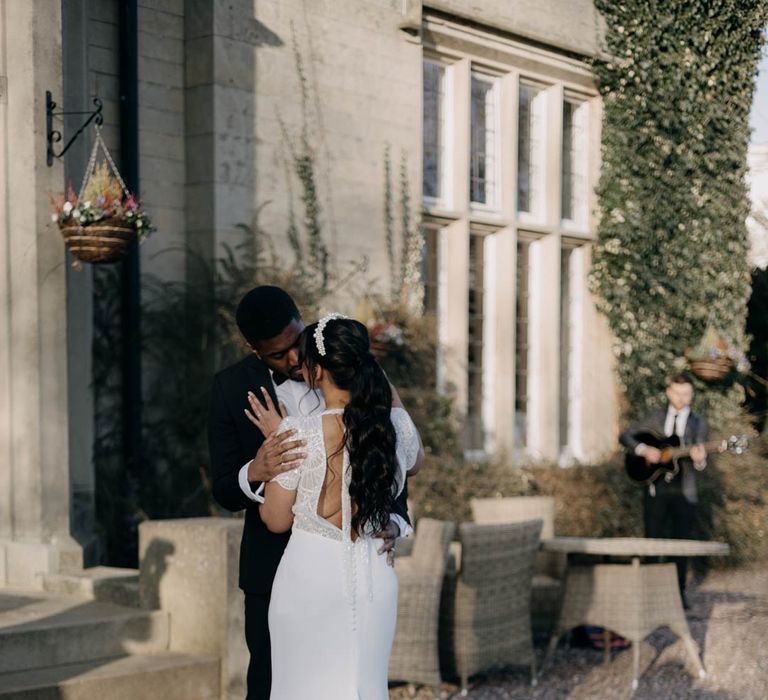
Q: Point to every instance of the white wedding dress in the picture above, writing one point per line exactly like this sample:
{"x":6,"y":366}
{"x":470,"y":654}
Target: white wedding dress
{"x":334,"y":602}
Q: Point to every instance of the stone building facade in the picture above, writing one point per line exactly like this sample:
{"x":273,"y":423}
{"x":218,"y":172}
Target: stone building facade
{"x":489,"y":106}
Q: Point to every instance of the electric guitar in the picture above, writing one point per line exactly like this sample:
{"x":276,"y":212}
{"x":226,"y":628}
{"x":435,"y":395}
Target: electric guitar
{"x":642,"y":472}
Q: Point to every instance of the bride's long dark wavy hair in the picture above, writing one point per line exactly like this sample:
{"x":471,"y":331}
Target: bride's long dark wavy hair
{"x":369,"y":435}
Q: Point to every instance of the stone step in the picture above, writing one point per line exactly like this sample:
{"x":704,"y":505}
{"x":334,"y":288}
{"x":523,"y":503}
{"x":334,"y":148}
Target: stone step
{"x":106,"y":583}
{"x":162,"y":676}
{"x":39,"y":630}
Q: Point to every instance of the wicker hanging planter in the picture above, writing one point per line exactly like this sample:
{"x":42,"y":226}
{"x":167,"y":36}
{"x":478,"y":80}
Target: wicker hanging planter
{"x":102,"y":242}
{"x":711,"y":370}
{"x":710,"y":360}
{"x":99,"y":224}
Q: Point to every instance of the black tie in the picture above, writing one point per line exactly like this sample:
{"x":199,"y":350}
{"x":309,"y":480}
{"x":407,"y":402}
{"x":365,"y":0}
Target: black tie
{"x":278,"y":379}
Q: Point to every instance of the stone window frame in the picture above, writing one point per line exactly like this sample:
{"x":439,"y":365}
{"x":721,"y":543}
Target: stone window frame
{"x":468,"y":48}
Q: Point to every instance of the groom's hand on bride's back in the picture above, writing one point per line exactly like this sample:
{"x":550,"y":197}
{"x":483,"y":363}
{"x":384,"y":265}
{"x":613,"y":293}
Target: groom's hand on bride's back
{"x":277,"y":454}
{"x":389,"y":534}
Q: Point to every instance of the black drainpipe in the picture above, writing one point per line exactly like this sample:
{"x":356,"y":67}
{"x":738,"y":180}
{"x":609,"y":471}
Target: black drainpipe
{"x":131,"y":292}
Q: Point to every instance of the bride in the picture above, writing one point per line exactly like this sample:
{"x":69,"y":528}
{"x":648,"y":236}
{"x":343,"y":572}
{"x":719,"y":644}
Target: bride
{"x":334,"y":600}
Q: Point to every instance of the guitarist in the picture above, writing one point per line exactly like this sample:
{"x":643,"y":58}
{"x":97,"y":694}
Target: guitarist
{"x":669,"y":505}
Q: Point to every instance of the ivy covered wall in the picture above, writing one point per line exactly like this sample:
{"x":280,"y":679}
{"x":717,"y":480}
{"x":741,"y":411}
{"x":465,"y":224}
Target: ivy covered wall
{"x":677,"y":79}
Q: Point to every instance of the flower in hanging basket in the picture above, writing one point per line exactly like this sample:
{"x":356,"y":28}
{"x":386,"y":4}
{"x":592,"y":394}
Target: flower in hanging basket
{"x":713,"y":357}
{"x":710,"y":347}
{"x":103,"y":198}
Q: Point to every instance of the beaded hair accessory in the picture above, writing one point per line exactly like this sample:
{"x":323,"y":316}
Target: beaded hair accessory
{"x":321,"y":324}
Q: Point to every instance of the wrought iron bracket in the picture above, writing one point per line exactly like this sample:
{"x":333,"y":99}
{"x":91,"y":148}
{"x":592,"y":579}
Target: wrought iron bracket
{"x":54,"y":136}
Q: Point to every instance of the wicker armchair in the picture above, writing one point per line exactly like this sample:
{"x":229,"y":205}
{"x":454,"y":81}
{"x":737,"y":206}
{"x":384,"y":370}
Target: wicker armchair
{"x":414,"y":655}
{"x":485,"y":617}
{"x":549,"y":569}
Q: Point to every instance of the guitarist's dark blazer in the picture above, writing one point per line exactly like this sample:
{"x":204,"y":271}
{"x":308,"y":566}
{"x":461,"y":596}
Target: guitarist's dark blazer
{"x":233,"y":440}
{"x":696,"y":430}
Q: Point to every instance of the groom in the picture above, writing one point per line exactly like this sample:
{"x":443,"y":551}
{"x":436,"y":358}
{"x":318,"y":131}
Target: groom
{"x":242,"y":460}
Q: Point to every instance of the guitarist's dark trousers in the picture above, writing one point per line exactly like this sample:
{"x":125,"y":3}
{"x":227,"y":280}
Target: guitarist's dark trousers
{"x":670,"y":514}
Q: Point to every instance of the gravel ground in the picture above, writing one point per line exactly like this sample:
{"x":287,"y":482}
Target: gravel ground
{"x":728,"y":619}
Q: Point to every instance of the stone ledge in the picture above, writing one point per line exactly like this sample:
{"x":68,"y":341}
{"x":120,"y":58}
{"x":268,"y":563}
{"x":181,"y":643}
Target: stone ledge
{"x":105,"y":583}
{"x":164,"y":676}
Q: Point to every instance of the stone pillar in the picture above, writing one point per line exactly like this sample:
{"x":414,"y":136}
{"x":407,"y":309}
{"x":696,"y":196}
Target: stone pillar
{"x":189,"y":568}
{"x":34,"y":445}
{"x":455,"y":245}
{"x":220,"y":77}
{"x":544,"y":363}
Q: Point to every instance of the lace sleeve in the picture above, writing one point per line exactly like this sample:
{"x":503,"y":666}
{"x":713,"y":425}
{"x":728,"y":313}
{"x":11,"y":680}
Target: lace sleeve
{"x":289,"y":480}
{"x":407,"y":448}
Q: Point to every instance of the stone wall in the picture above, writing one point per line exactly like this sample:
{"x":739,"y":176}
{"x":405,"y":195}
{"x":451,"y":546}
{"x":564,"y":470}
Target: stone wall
{"x":363,"y":83}
{"x":162,"y":146}
{"x":572,"y":25}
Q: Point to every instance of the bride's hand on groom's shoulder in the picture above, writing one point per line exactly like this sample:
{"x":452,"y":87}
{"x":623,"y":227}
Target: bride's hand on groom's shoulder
{"x":276,"y":455}
{"x":264,"y":414}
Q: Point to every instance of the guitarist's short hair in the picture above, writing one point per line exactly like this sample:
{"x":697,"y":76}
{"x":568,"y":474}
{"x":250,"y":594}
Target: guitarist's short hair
{"x":681,"y":378}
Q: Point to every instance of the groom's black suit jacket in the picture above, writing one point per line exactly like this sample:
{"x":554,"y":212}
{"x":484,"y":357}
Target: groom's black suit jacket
{"x":233,"y":440}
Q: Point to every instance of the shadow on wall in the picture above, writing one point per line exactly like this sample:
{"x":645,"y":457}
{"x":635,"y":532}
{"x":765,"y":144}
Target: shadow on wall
{"x":154,"y":564}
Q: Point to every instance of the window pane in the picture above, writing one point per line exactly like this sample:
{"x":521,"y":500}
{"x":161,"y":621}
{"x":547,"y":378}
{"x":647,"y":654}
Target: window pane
{"x":475,"y":436}
{"x":429,"y":270}
{"x":434,"y":127}
{"x":482,"y":169}
{"x":530,"y":144}
{"x":574,"y":165}
{"x":522,"y":292}
{"x":567,"y":190}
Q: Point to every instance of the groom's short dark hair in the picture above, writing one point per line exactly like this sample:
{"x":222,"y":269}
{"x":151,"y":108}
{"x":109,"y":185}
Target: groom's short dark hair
{"x":264,"y":312}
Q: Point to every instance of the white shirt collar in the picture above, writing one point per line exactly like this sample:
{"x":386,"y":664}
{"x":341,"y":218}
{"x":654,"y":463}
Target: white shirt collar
{"x":685,"y":411}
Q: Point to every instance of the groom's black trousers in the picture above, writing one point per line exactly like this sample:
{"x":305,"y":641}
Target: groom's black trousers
{"x":257,"y":639}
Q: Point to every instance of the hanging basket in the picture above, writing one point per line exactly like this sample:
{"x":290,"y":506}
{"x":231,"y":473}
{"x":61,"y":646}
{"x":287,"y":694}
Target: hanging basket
{"x":711,"y":370}
{"x":103,"y":241}
{"x":101,"y":229}
{"x":710,"y":359}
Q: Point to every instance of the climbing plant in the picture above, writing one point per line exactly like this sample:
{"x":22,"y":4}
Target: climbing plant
{"x":677,"y":79}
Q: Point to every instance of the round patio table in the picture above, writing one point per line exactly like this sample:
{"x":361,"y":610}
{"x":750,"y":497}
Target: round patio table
{"x":631,"y":600}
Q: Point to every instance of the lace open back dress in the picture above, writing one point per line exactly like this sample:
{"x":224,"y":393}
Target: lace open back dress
{"x":334,"y":600}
